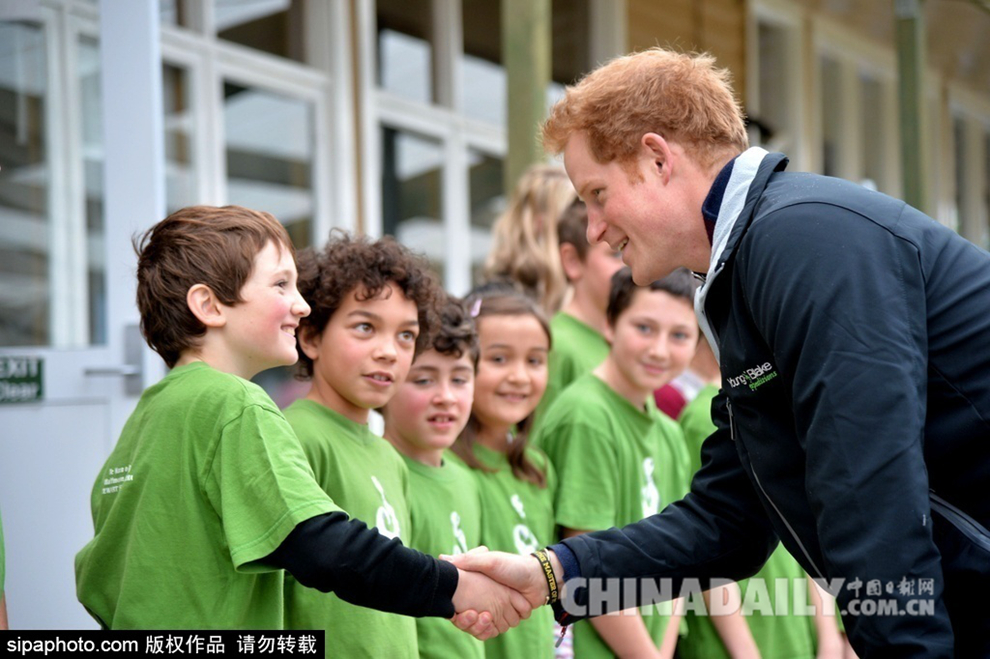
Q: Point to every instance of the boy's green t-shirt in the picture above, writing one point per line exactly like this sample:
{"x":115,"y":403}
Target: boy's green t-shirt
{"x":368,"y":479}
{"x":776,"y":636}
{"x":445,"y":508}
{"x":206,"y":480}
{"x":616,"y":465}
{"x":517,"y":517}
{"x":577,"y":349}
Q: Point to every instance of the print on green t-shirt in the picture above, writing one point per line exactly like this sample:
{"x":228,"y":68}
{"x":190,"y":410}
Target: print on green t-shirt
{"x":367,"y":478}
{"x":777,"y":637}
{"x":445,"y":510}
{"x":517,"y":517}
{"x":206,"y":480}
{"x":615,"y":464}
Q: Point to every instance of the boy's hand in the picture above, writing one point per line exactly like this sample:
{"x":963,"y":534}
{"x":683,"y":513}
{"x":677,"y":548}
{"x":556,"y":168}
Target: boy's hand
{"x":500,"y":607}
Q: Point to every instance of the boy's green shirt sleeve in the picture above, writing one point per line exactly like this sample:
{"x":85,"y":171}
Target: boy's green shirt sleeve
{"x":253,"y":480}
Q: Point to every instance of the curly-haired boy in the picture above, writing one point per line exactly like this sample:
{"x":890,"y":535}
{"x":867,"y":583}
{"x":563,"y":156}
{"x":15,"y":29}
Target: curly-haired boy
{"x":373,"y":307}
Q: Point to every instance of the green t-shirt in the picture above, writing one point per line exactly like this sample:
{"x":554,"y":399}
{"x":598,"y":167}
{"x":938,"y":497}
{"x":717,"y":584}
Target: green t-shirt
{"x":777,"y":636}
{"x":445,"y":508}
{"x":206,"y":480}
{"x":368,"y":479}
{"x":577,"y":349}
{"x":517,"y":517}
{"x":616,"y":464}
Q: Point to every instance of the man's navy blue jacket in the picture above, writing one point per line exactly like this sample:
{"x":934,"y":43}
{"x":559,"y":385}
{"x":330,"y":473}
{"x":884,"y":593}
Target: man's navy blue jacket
{"x":853,"y":335}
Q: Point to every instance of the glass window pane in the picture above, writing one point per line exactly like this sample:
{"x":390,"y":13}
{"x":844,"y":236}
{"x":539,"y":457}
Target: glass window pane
{"x":871,"y":111}
{"x":269,"y":141}
{"x":172,"y":12}
{"x":985,"y":238}
{"x":487,"y":203}
{"x":92,"y":151}
{"x":831,"y":95}
{"x":484,"y":81}
{"x":271,"y":26}
{"x":571,"y":26}
{"x":180,"y":168}
{"x":24,"y":187}
{"x":405,"y":49}
{"x":959,"y":152}
{"x":52,"y":275}
{"x":774,"y":122}
{"x":412,"y":180}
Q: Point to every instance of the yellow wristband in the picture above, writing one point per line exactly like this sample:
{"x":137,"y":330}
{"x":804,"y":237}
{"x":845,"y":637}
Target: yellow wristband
{"x":541,"y":555}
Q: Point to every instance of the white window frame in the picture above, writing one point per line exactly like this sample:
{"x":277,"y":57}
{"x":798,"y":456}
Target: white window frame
{"x":786,"y":17}
{"x":323,"y":83}
{"x":856,"y":55}
{"x":442,"y":121}
{"x":973,"y":219}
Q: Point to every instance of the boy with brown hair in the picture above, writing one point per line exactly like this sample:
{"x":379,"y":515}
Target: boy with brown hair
{"x":618,"y":458}
{"x":422,"y":421}
{"x":373,"y":308}
{"x":578,"y":329}
{"x":207,"y":496}
{"x":853,"y":340}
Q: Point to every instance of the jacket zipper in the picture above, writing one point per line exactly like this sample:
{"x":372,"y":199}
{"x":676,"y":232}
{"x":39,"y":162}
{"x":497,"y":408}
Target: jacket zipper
{"x":966,"y":525}
{"x":821,"y":575}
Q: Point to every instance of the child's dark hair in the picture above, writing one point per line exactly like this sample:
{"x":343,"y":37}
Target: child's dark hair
{"x":365,"y":268}
{"x":214,"y":246}
{"x":457,"y":334}
{"x":572,"y":228}
{"x":679,"y":283}
{"x":500,"y":299}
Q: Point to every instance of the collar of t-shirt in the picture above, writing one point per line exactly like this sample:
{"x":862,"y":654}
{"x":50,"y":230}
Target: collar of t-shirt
{"x":713,"y":202}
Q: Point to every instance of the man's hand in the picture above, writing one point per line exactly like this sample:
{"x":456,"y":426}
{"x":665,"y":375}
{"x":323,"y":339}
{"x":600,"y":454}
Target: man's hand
{"x":518,"y":572}
{"x":501,"y":607}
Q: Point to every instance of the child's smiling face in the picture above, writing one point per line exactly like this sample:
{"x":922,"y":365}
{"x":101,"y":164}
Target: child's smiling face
{"x":364,"y":352}
{"x":512,"y":370}
{"x":432,"y":406}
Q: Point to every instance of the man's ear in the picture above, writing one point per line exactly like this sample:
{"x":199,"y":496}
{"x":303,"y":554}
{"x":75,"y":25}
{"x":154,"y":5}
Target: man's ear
{"x":658,"y":150}
{"x":203,"y":304}
{"x":309,"y":341}
{"x":570,"y":260}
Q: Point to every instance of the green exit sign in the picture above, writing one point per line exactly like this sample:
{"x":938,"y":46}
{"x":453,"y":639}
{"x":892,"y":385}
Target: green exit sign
{"x":21,"y":379}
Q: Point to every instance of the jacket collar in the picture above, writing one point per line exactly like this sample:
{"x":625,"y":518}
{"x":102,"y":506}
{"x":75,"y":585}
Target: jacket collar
{"x":748,"y":176}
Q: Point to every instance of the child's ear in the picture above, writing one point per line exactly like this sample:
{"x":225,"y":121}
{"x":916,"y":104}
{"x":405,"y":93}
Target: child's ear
{"x":309,"y":341}
{"x":571,"y":262}
{"x":609,"y":333}
{"x":203,"y":304}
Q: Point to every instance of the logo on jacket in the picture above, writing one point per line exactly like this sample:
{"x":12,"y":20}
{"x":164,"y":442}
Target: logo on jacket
{"x":754,"y":378}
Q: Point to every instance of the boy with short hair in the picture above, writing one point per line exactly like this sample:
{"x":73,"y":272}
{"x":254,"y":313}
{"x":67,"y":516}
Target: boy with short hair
{"x":618,"y":458}
{"x":373,"y":307}
{"x":207,"y":495}
{"x":422,"y":420}
{"x":578,"y":329}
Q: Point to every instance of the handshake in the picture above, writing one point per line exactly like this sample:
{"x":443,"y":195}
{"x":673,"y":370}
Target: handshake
{"x":497,"y":590}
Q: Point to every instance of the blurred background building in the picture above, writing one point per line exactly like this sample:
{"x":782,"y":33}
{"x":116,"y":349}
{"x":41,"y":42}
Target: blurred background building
{"x":387,"y":117}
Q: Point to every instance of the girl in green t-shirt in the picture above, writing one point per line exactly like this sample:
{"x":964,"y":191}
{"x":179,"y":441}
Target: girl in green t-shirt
{"x":516,"y":482}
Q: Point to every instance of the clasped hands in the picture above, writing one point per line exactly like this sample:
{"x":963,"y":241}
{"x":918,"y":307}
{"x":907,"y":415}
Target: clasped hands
{"x":496,"y":590}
